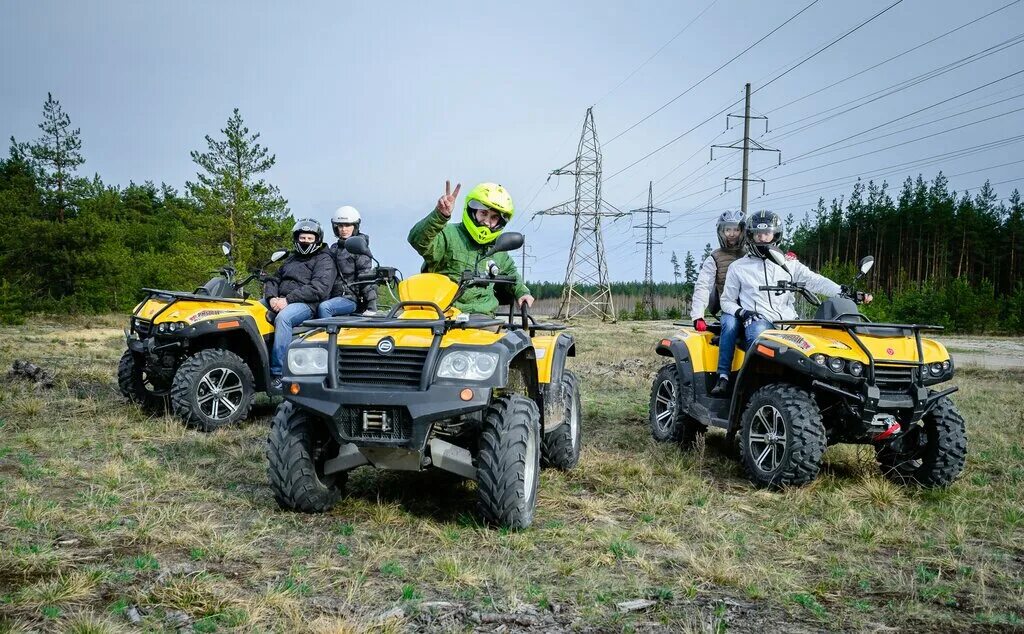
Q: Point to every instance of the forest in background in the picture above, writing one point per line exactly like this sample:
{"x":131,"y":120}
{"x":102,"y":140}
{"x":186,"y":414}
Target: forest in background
{"x":79,"y":245}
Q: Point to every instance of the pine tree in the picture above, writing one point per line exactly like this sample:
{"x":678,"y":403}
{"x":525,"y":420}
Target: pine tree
{"x":254,"y":214}
{"x":56,"y":155}
{"x":707,"y":252}
{"x":675,"y":267}
{"x":691,"y":269}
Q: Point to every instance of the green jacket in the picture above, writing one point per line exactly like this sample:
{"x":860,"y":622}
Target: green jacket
{"x":447,"y":249}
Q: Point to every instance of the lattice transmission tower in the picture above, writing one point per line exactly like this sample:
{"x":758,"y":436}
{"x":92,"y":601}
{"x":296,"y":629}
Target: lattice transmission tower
{"x":587,"y":288}
{"x":649,"y":227}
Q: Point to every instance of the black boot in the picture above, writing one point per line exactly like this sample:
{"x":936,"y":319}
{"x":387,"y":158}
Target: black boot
{"x":721,"y":387}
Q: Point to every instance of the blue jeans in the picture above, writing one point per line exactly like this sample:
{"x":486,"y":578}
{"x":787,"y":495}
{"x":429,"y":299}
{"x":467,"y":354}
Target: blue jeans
{"x":335,"y":306}
{"x":292,"y":315}
{"x":727,"y":342}
{"x":753,"y":330}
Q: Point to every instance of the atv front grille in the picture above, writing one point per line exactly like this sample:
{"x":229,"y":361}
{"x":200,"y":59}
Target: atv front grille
{"x":893,"y":378}
{"x":391,"y":423}
{"x":402,"y":367}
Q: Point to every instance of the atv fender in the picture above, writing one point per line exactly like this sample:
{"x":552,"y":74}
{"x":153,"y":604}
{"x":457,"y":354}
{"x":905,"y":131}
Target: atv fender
{"x":554,"y":411}
{"x":247,"y":325}
{"x":677,"y":349}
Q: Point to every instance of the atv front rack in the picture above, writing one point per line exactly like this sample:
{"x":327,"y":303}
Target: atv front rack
{"x":438,"y":327}
{"x":852,"y":327}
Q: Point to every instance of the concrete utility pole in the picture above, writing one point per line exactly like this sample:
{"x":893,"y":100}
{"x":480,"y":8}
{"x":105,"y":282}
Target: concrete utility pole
{"x":649,"y":226}
{"x":746,"y":147}
{"x":587,"y":288}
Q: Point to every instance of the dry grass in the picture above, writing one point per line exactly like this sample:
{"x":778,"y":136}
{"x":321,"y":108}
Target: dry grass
{"x":105,"y":512}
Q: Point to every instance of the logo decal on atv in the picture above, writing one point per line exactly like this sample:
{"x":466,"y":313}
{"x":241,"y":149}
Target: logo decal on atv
{"x":890,"y":351}
{"x":203,"y":314}
{"x":799,"y":341}
{"x":386,"y":345}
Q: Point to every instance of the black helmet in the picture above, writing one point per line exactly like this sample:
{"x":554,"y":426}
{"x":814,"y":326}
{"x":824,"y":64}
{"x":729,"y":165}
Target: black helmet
{"x":762,"y":222}
{"x":730,"y":220}
{"x":307,"y":225}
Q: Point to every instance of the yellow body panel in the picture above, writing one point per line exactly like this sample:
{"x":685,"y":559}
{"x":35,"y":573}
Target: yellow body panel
{"x":544,"y":345}
{"x":838,"y":343}
{"x":703,"y":355}
{"x":428,"y":287}
{"x":194,"y":311}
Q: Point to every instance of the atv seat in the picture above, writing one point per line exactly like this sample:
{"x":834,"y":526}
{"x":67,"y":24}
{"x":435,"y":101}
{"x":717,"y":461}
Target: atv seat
{"x":216,"y":287}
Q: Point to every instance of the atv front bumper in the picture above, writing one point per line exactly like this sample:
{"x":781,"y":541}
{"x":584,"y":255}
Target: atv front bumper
{"x":383,"y":417}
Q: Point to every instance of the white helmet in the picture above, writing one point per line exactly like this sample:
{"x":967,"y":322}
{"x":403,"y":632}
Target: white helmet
{"x":346,"y":215}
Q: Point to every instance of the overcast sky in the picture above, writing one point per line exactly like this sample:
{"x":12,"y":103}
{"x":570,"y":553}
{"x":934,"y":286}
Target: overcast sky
{"x":376,"y":104}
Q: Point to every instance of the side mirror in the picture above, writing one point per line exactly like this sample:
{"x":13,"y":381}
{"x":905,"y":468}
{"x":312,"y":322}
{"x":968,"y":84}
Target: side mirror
{"x":225,"y":247}
{"x":778,"y":257}
{"x":357,"y":246}
{"x":278,"y":255}
{"x":507,"y":241}
{"x":866,"y":264}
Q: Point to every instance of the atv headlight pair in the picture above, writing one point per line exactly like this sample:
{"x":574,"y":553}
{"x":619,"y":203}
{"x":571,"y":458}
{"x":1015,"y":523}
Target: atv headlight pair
{"x":307,"y":360}
{"x":937,"y":368}
{"x":837,"y":364}
{"x":468,"y":365}
{"x":171,"y":326}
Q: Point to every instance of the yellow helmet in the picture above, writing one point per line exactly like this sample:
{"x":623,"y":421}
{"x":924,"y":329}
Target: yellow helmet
{"x":486,"y":196}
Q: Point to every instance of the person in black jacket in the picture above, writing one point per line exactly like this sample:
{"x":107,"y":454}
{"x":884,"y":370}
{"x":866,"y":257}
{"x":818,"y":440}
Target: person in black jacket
{"x":346,"y":296}
{"x":293,"y":292}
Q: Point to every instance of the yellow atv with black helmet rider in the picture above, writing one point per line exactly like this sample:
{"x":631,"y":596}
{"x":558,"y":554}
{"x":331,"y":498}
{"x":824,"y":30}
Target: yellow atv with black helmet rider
{"x":807,"y":384}
{"x":205,"y":351}
{"x":428,"y":387}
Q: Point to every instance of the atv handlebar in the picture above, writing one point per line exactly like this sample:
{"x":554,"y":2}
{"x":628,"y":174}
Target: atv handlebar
{"x":792,"y":287}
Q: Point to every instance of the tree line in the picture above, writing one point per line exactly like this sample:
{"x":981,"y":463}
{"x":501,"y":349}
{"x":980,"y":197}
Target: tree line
{"x":76,"y":244}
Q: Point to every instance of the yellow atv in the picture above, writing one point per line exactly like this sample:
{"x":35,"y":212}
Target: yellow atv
{"x":837,"y":378}
{"x":207,"y":350}
{"x":427,"y":386}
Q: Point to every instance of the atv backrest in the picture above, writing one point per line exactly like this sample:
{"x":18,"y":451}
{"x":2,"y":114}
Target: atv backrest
{"x":217,"y":287}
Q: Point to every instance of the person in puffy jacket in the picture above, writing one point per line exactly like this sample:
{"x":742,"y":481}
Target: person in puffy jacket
{"x":294,"y":290}
{"x":712,"y":278}
{"x":450,"y":249}
{"x":756,"y":309}
{"x":346,"y":296}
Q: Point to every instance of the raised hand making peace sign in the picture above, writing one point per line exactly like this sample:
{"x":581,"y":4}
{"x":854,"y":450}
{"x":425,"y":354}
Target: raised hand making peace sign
{"x":446,"y":203}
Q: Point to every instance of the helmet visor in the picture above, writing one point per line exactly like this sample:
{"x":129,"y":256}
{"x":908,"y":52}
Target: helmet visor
{"x":476,"y":205}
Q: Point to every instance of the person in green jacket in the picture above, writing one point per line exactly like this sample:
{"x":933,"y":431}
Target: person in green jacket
{"x":450,"y":249}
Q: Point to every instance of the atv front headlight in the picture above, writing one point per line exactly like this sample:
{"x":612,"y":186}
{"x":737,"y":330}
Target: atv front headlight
{"x":856,"y":368}
{"x":468,"y":365}
{"x":836,"y":364}
{"x":935,"y":369}
{"x":307,"y":360}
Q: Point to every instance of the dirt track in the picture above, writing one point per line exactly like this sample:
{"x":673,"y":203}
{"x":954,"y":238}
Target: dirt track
{"x":992,"y":353}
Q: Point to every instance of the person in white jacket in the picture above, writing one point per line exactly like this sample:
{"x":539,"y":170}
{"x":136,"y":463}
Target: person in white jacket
{"x":756,"y":309}
{"x":712,"y":278}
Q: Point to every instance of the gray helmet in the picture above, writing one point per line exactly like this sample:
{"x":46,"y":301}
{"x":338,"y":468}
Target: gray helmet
{"x":730,"y":220}
{"x":759,"y":222}
{"x":307,"y":225}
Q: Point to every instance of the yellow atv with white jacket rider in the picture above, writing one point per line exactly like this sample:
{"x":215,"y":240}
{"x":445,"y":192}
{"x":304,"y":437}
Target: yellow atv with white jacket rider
{"x":206,"y":351}
{"x":427,"y":386}
{"x":807,"y":384}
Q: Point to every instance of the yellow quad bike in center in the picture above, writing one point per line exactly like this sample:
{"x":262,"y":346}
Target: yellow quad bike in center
{"x":427,"y":386}
{"x":836,"y":378}
{"x":206,"y":351}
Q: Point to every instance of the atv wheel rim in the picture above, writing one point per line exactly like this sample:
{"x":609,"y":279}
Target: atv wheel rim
{"x":219,"y":393}
{"x":530,"y":468}
{"x":767,"y":438}
{"x":665,"y":406}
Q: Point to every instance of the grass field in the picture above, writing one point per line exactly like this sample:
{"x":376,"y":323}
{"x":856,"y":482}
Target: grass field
{"x":112,"y":520}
